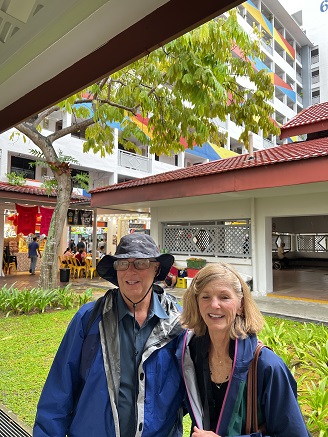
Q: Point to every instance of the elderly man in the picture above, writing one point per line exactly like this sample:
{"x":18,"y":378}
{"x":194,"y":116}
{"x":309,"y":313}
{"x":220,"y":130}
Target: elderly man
{"x":116,"y":372}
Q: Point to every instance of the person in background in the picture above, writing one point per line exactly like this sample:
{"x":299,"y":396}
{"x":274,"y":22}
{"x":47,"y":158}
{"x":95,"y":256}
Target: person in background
{"x":81,"y":244}
{"x":72,"y":246}
{"x":102,"y":252}
{"x":67,"y":255}
{"x":223,"y":321}
{"x":171,"y":278}
{"x":80,"y":256}
{"x":33,"y":251}
{"x":281,"y":255}
{"x":132,"y":385}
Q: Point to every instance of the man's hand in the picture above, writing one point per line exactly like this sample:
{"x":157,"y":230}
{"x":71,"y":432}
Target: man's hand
{"x":200,"y":433}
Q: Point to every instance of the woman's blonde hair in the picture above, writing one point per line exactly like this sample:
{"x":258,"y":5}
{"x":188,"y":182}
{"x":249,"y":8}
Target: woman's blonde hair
{"x":249,"y":322}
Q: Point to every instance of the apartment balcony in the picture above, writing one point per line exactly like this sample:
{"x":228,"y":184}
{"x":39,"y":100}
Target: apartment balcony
{"x":299,"y":99}
{"x":315,"y":79}
{"x":266,"y":45}
{"x":267,"y":144}
{"x":298,"y":77}
{"x":133,"y":161}
{"x":314,"y":59}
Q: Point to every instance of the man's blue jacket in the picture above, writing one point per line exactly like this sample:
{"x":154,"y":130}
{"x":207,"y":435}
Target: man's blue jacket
{"x":80,"y":395}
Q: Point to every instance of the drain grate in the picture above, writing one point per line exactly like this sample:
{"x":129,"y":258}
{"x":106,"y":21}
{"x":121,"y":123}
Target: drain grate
{"x":10,"y":428}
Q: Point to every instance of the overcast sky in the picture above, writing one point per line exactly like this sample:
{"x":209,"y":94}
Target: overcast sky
{"x":292,"y":5}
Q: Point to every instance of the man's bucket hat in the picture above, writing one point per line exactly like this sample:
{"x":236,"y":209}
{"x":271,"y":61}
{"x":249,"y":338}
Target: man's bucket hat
{"x":135,"y":246}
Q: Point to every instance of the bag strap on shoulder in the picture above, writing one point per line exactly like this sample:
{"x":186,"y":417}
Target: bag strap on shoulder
{"x":251,"y":408}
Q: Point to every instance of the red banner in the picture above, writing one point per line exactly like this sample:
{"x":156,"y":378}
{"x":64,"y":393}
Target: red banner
{"x":46,"y":214}
{"x":26,"y":219}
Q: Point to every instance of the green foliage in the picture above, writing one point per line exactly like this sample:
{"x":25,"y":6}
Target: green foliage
{"x":16,"y":178}
{"x":27,"y":301}
{"x":183,"y":88}
{"x":316,"y":400}
{"x":304,"y":348}
{"x":82,"y":179}
{"x":50,"y":185}
{"x":35,"y":340}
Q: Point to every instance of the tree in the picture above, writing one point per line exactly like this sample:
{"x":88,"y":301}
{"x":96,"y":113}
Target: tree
{"x":183,"y":88}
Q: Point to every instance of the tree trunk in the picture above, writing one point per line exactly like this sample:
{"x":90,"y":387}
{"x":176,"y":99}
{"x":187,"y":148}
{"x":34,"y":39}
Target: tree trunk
{"x":49,"y":265}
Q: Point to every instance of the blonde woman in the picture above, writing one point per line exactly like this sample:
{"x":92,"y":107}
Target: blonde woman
{"x":223,"y":321}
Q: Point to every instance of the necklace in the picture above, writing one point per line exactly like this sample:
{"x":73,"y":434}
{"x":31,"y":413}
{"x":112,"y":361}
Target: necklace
{"x":219,"y":384}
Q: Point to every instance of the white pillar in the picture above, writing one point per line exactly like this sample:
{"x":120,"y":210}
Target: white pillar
{"x":94,"y":237}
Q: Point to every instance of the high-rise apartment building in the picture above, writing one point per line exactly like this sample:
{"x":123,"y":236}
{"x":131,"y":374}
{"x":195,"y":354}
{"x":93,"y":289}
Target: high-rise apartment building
{"x":312,"y":17}
{"x":287,"y":57}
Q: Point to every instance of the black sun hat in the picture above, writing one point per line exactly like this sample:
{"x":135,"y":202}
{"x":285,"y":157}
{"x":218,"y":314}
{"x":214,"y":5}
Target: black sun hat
{"x":135,"y":246}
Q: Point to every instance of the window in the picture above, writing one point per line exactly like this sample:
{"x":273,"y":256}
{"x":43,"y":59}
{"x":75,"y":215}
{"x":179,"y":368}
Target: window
{"x":315,"y":76}
{"x":315,"y":97}
{"x":314,"y":56}
{"x":22,"y":166}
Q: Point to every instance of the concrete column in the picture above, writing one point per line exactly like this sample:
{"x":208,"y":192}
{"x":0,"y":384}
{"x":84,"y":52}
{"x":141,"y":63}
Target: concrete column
{"x":94,"y":237}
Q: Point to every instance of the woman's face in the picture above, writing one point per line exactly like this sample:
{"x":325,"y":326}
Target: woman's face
{"x":218,"y":305}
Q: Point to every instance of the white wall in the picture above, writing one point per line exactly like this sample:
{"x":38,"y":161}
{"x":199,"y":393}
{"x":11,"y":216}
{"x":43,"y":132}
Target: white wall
{"x":259,"y":210}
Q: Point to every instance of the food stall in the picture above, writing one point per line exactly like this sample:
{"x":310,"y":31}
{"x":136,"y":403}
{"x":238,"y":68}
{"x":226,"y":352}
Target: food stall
{"x":16,"y":235}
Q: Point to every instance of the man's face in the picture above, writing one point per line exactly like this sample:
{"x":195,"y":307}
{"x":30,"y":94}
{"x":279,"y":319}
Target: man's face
{"x":134,"y":283}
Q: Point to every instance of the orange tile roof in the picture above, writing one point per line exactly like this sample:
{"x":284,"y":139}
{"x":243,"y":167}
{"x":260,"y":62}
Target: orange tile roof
{"x":38,"y":191}
{"x":312,"y":114}
{"x":275,"y":155}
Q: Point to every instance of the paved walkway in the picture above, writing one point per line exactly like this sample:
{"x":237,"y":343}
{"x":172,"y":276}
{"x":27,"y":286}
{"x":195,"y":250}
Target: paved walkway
{"x":303,"y":309}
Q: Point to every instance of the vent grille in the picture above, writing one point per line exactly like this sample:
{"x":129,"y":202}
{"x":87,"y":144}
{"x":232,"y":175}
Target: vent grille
{"x":10,"y":428}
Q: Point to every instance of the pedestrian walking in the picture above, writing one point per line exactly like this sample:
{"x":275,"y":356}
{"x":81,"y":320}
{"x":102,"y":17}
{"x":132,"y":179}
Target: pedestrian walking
{"x":33,"y":251}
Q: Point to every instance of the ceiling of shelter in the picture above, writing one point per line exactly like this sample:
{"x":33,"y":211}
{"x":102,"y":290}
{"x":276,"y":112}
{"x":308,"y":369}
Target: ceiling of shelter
{"x":51,"y":49}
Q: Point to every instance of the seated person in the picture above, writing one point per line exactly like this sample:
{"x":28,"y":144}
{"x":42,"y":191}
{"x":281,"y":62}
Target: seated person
{"x":67,"y":256}
{"x":68,"y":253}
{"x":80,"y":256}
{"x":102,"y":252}
{"x":171,"y":278}
{"x":284,"y":261}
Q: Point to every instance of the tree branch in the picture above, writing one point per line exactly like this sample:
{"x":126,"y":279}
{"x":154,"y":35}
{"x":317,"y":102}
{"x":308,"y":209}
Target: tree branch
{"x":117,"y":105}
{"x":45,"y":114}
{"x":71,"y":129}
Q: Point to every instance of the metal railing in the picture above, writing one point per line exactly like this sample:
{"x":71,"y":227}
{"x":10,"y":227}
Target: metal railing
{"x":136,"y":162}
{"x":314,"y":59}
{"x":312,"y":243}
{"x":299,"y":98}
{"x":267,"y":46}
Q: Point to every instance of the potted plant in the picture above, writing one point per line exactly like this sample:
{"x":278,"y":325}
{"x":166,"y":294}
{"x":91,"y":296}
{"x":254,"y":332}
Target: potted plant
{"x":196,"y":263}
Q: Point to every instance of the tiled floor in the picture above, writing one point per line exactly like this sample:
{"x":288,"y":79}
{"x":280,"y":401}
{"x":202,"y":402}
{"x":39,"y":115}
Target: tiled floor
{"x":294,"y":283}
{"x":311,"y":283}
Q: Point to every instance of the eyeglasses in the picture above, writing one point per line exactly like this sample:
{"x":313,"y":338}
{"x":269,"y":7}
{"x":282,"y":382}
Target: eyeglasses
{"x":139,"y":264}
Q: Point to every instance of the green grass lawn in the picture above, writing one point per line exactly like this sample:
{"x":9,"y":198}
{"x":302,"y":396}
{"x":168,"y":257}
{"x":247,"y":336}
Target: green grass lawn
{"x":29,"y":343}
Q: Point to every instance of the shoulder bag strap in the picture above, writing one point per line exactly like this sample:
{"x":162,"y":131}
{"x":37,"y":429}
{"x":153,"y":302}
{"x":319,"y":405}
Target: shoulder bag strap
{"x":251,"y":407}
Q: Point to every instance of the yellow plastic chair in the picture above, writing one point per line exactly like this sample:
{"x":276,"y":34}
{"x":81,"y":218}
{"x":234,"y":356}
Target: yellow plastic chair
{"x":71,"y":266}
{"x":62,"y":264}
{"x":78,"y":268}
{"x":90,"y":269}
